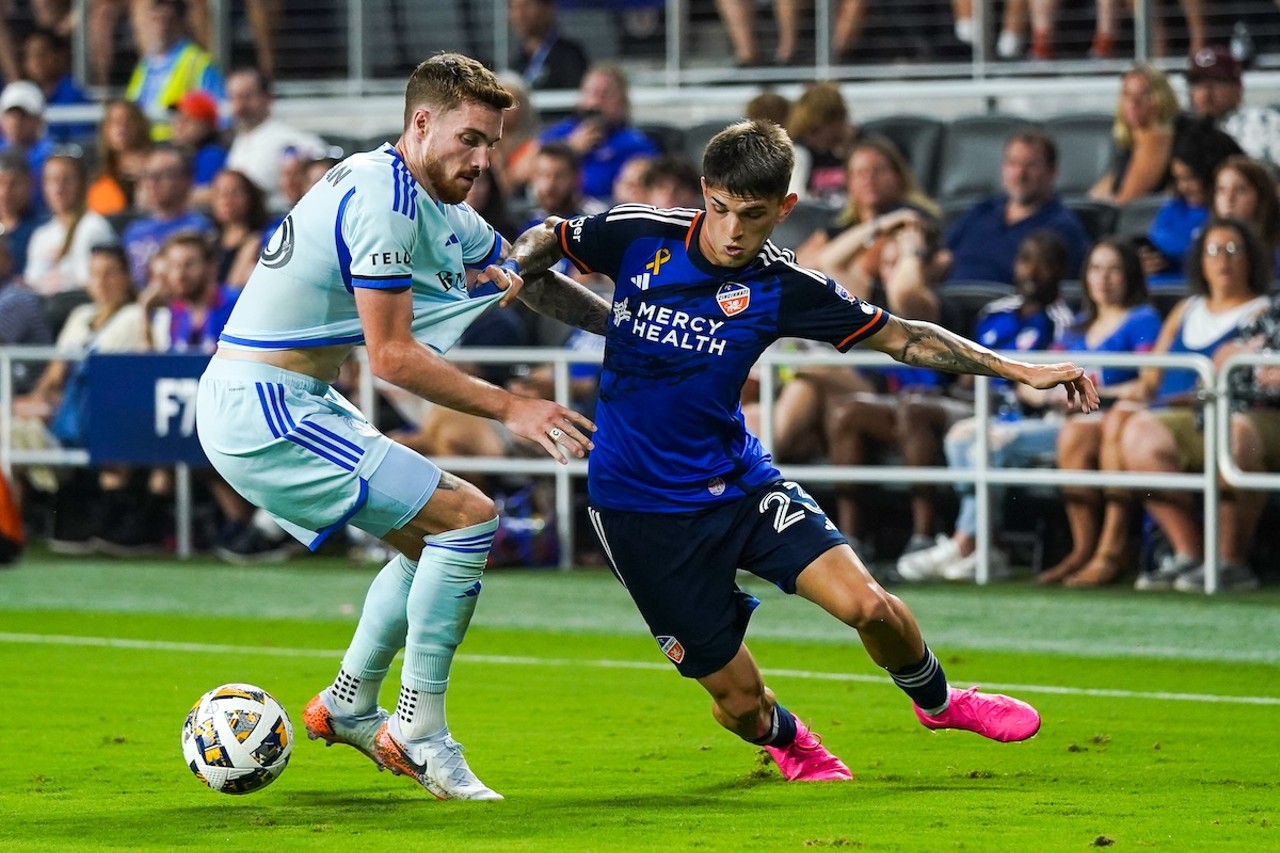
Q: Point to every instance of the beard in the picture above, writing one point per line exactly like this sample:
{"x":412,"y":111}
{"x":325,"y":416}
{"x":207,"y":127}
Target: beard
{"x":449,"y":187}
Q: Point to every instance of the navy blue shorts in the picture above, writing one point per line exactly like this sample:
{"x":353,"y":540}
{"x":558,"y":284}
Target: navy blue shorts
{"x":680,"y":568}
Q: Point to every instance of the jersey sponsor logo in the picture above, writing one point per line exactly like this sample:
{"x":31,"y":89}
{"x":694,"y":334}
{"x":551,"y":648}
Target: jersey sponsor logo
{"x":396,"y":258}
{"x":660,"y":257}
{"x":274,"y":258}
{"x":641,"y":281}
{"x":575,"y":228}
{"x":716,"y":486}
{"x":450,"y":279}
{"x":672,"y":327}
{"x":671,"y":647}
{"x":733,"y":298}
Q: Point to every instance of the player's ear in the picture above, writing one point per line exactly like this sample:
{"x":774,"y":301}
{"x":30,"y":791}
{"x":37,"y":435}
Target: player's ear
{"x":421,"y":121}
{"x":788,"y":203}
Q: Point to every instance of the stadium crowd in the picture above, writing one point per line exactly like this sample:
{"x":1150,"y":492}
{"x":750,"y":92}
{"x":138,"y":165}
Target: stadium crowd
{"x":136,"y":233}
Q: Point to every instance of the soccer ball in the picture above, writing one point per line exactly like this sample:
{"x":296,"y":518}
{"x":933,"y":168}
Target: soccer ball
{"x":237,"y":739}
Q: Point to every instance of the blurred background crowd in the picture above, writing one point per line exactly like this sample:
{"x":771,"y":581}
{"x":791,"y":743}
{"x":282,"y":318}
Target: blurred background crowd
{"x":149,"y":149}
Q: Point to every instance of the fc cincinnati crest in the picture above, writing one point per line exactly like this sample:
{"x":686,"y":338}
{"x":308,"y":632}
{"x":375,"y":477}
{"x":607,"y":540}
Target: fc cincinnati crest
{"x":671,"y":648}
{"x":733,"y":298}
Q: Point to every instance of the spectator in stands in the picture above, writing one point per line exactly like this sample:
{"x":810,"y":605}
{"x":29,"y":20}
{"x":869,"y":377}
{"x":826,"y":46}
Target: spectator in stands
{"x":124,"y":143}
{"x":540,"y":54}
{"x":18,"y":218}
{"x":167,"y":210}
{"x":769,"y":106}
{"x":23,"y":131}
{"x":22,"y":319}
{"x":46,"y":61}
{"x":1010,"y":42}
{"x":823,"y":135}
{"x":1104,"y":37}
{"x":512,"y":157}
{"x":195,"y":133}
{"x":557,"y":175}
{"x":264,"y":20}
{"x":905,"y":284}
{"x":982,"y":244}
{"x":111,"y":322}
{"x":187,"y":307}
{"x":1142,"y":137}
{"x":260,"y":141}
{"x":1035,"y":318}
{"x":1116,"y":317}
{"x":1216,"y":84}
{"x":739,"y":17}
{"x":239,"y":212}
{"x":171,"y":65}
{"x":1244,"y":189}
{"x":878,"y":183}
{"x":1198,"y":150}
{"x":1229,"y":281}
{"x":630,"y":185}
{"x":59,"y":253}
{"x":487,"y":199}
{"x":673,"y":181}
{"x":601,"y":132}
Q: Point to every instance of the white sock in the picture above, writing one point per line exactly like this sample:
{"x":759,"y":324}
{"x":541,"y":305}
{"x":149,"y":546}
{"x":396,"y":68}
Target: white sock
{"x":964,"y":30}
{"x":379,"y":635}
{"x":441,"y":601}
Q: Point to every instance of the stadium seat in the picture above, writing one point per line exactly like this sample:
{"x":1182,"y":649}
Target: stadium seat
{"x":1135,"y":217}
{"x":972,"y":149}
{"x":919,"y":138}
{"x":1084,"y":149}
{"x":805,"y":218}
{"x":1097,"y":217}
{"x":668,"y":137}
{"x":1072,"y":291}
{"x":963,"y":300}
{"x":698,"y":135}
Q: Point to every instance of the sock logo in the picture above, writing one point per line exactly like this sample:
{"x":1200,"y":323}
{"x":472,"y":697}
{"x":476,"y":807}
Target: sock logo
{"x":470,"y":592}
{"x":671,"y":648}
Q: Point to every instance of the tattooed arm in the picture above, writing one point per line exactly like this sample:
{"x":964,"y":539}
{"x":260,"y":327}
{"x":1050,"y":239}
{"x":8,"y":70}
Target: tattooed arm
{"x":537,"y":249}
{"x":559,"y":296}
{"x":922,"y":344}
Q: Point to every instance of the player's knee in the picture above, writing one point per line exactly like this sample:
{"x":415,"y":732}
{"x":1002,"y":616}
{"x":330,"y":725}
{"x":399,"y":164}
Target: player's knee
{"x":869,"y":605}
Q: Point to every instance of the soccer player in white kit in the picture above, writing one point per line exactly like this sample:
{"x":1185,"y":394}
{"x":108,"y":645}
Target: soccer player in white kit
{"x":376,"y":254}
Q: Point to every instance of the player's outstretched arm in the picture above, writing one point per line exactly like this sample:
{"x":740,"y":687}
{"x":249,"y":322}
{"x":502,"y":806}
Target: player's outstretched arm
{"x":556,"y":295}
{"x":538,"y":248}
{"x":924,"y":344}
{"x":395,"y":356}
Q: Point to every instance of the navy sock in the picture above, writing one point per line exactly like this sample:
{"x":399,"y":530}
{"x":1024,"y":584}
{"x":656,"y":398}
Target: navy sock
{"x":925,"y":683}
{"x":781,"y":731}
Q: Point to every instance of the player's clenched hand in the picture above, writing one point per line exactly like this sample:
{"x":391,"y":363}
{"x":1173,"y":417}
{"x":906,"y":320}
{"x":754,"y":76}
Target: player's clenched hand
{"x":1081,"y":393}
{"x":552,"y":426}
{"x":506,"y":278}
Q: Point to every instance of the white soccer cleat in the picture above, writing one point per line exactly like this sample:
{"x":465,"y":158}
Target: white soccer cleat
{"x":436,"y":764}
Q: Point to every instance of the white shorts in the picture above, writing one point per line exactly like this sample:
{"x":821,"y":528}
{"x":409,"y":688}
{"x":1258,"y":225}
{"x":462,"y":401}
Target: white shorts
{"x":295,"y":447}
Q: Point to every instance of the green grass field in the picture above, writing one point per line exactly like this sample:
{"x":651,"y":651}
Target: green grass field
{"x":1161,"y":721}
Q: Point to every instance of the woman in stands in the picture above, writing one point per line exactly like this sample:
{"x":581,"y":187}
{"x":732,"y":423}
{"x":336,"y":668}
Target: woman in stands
{"x":124,"y":141}
{"x":1198,"y":150}
{"x":1116,"y":317}
{"x":1142,"y":137}
{"x":239,"y":210}
{"x":1244,"y":189}
{"x":58,"y":254}
{"x":1228,"y":281}
{"x":878,"y":182}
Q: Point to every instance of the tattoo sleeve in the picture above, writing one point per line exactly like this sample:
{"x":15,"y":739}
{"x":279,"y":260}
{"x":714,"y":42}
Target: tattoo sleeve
{"x":559,"y":296}
{"x":929,"y":345}
{"x":537,"y":249}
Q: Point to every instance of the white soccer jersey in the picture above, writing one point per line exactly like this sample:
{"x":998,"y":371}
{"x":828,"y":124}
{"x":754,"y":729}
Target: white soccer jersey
{"x":367,"y":223}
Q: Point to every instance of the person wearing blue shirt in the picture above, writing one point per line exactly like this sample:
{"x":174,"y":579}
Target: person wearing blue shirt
{"x":984,"y":241}
{"x":683,"y":495}
{"x":601,"y":131}
{"x":46,"y":61}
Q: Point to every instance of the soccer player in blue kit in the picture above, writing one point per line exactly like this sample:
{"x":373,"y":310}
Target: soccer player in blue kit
{"x":683,"y":496}
{"x":376,"y":254}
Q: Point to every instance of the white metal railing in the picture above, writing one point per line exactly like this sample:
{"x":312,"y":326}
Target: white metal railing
{"x":982,"y":475}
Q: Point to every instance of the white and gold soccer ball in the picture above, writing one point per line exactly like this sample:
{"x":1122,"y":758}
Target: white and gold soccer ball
{"x":237,"y":739}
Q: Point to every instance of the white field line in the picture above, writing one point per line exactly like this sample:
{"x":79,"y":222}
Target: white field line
{"x":513,"y":660}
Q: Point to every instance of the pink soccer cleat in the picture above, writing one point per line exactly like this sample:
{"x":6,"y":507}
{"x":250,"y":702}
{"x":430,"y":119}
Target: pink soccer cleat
{"x":807,"y":760}
{"x":991,"y":715}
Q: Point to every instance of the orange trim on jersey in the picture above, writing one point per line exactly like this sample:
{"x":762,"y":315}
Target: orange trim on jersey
{"x":874,"y":319}
{"x":564,"y":246}
{"x":688,"y":236}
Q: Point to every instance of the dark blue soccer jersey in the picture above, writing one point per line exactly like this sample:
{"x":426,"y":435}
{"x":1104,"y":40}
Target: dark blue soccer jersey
{"x":681,"y":338}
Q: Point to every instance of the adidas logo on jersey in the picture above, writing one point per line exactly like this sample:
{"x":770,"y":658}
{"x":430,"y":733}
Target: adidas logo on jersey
{"x":641,"y":281}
